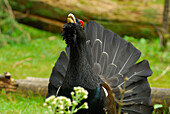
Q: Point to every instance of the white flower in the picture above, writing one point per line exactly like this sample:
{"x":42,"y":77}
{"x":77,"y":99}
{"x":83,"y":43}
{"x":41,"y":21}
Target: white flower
{"x":68,"y":102}
{"x":45,"y":104}
{"x":61,"y":98}
{"x":61,"y":112}
{"x":77,"y":88}
{"x":74,"y":102}
{"x":86,"y":105}
{"x":54,"y":102}
{"x":85,"y":92}
{"x":85,"y":96}
{"x":72,"y":93}
{"x":61,"y":106}
{"x":50,"y":98}
{"x":69,"y":111}
{"x":49,"y":107}
{"x":60,"y":102}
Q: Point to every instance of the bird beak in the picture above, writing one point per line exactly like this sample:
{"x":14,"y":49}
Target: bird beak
{"x":71,"y":18}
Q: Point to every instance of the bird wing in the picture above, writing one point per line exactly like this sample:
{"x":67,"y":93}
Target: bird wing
{"x":113,"y":58}
{"x":58,"y":72}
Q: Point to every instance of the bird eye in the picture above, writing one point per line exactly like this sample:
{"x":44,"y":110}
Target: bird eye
{"x":82,"y":23}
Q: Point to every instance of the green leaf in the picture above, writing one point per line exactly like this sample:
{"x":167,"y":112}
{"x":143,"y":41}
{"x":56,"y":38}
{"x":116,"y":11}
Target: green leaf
{"x":3,"y":91}
{"x":158,"y":106}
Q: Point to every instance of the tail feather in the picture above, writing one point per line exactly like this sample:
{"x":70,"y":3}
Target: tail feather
{"x":138,"y":96}
{"x":113,"y":59}
{"x":137,"y":72}
{"x":96,"y":33}
{"x":138,"y":109}
{"x":89,"y":52}
{"x":59,"y":70}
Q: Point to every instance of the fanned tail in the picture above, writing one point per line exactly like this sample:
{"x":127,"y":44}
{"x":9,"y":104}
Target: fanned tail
{"x":114,"y":59}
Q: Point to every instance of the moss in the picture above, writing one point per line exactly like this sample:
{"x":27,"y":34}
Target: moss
{"x":82,"y":2}
{"x":60,"y":12}
{"x":150,"y":13}
{"x":15,"y":6}
{"x":131,"y":29}
{"x":146,"y":31}
{"x":78,"y":13}
{"x":44,"y":12}
{"x":29,"y":5}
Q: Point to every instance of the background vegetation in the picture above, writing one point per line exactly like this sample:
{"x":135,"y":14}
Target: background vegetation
{"x":26,"y":51}
{"x":37,"y":57}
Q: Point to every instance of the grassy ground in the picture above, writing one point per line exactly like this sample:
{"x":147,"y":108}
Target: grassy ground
{"x":37,"y":57}
{"x":21,"y":104}
{"x":16,"y":103}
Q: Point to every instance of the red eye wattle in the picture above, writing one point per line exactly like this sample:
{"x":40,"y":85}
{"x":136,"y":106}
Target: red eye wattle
{"x":82,"y":23}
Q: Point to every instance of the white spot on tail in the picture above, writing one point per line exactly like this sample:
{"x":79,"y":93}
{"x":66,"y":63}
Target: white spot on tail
{"x":105,"y":91}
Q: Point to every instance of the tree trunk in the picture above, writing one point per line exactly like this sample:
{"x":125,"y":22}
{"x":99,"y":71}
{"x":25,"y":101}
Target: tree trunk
{"x":166,"y":35}
{"x":165,"y":15}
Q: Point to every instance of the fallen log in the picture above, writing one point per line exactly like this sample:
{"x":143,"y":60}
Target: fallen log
{"x":50,"y":15}
{"x":40,"y":86}
{"x":160,"y":96}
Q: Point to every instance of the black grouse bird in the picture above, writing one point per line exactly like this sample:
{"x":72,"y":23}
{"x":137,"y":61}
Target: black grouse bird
{"x":103,"y":63}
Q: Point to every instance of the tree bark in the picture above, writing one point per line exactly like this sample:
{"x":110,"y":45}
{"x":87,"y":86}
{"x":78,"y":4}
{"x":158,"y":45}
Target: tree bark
{"x":166,"y":35}
{"x":165,"y":15}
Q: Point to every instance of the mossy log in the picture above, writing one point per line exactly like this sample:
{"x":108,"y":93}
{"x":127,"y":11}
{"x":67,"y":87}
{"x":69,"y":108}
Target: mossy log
{"x":51,"y":15}
{"x":39,"y":86}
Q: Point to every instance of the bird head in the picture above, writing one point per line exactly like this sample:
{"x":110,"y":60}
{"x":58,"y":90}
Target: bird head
{"x":71,"y":19}
{"x":73,"y":31}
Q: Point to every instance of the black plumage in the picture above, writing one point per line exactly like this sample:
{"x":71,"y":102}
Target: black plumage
{"x":97,"y":58}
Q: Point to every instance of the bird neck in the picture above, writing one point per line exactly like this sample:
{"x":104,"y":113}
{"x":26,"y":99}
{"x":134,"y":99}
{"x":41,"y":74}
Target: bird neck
{"x":78,"y":61}
{"x":78,"y":54}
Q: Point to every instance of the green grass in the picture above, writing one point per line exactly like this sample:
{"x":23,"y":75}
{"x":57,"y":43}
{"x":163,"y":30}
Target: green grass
{"x":17,"y":103}
{"x":21,"y":104}
{"x":41,"y":51}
